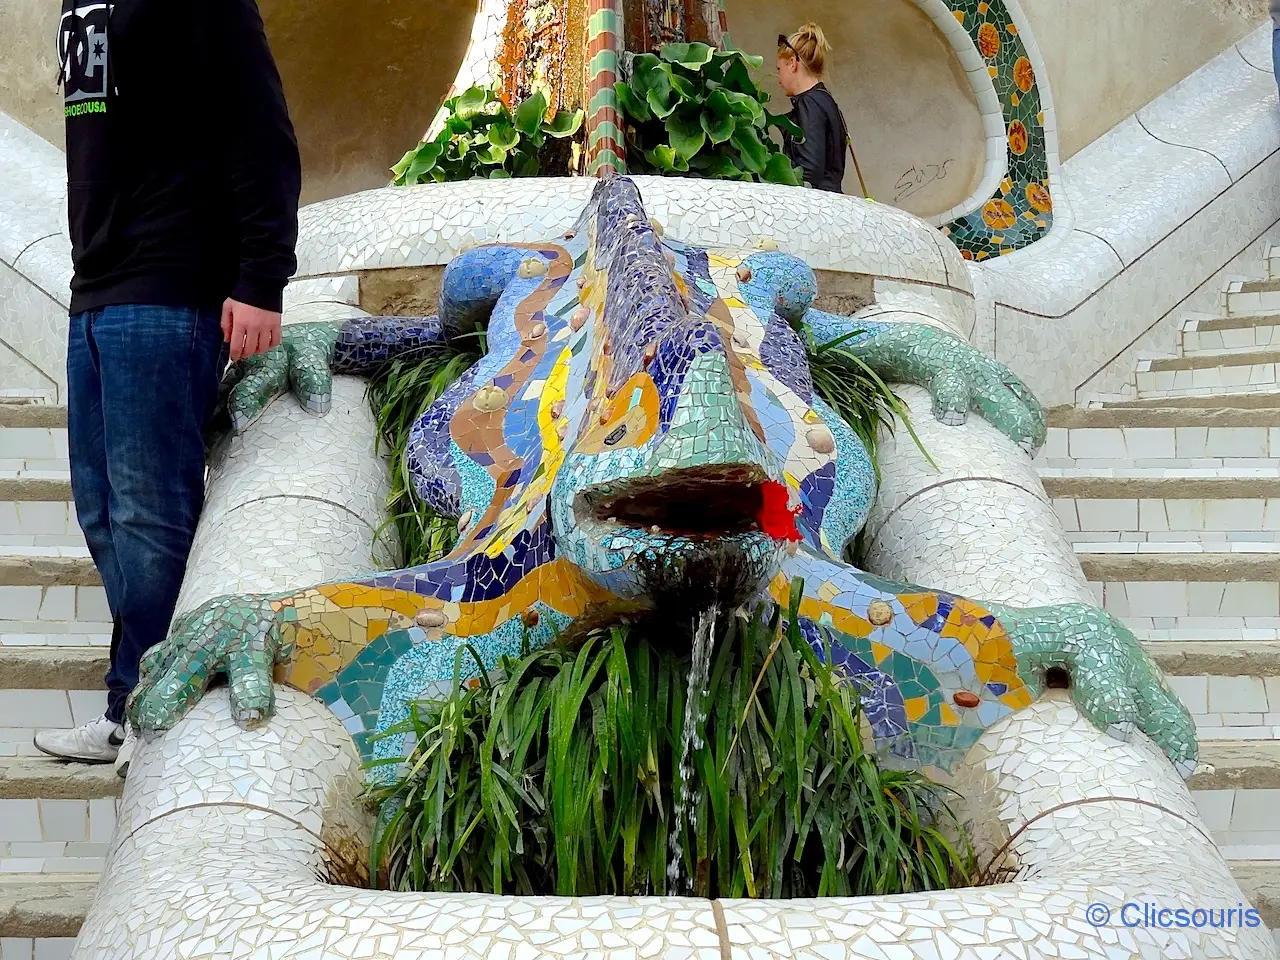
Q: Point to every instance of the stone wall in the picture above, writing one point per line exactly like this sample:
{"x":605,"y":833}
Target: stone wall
{"x":29,"y":66}
{"x":362,"y":80}
{"x":911,"y":110}
{"x":1106,"y":59}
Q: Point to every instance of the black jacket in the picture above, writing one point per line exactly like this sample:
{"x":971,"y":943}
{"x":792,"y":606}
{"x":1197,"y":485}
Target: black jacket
{"x":182,"y":166}
{"x":822,"y":152}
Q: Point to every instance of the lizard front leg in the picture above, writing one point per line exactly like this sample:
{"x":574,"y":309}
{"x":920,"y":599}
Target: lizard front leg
{"x":941,"y":669}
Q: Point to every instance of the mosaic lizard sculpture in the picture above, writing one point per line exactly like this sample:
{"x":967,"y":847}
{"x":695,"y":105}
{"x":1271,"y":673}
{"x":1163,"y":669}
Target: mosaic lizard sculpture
{"x":645,"y":419}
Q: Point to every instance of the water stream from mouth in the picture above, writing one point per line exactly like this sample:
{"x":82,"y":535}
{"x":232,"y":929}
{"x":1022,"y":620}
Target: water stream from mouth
{"x":695,"y":715}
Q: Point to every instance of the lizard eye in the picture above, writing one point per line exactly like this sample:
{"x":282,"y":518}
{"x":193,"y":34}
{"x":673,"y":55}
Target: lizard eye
{"x":616,"y":436}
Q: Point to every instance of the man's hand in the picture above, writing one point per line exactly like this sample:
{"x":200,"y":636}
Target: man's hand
{"x":249,"y":330}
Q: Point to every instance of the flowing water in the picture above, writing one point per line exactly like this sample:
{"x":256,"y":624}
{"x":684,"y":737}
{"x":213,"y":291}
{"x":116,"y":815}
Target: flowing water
{"x":695,"y":715}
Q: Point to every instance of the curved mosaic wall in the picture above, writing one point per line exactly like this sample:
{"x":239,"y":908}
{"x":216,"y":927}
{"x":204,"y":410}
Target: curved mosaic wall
{"x":1021,"y":211}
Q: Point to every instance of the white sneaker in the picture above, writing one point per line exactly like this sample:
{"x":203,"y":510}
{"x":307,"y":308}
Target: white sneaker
{"x":98,"y":741}
{"x":125,"y":756}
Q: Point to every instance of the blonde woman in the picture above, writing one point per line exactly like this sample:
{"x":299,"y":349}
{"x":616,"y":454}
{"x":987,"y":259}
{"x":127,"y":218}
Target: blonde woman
{"x":802,"y":57}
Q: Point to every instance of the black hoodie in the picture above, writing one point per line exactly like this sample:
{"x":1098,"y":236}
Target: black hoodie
{"x":821,"y":153}
{"x":182,"y":166}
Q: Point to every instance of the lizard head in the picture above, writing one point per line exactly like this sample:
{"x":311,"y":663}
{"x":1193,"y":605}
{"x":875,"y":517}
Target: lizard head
{"x":677,"y":475}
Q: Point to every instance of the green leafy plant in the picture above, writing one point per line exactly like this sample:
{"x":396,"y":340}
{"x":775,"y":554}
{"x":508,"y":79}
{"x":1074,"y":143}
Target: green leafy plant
{"x":693,"y":109}
{"x":482,"y":138}
{"x":558,"y":774}
{"x":399,"y":394}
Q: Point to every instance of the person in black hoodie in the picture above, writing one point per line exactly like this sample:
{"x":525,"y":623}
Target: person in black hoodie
{"x":801,"y":60}
{"x":182,"y":200}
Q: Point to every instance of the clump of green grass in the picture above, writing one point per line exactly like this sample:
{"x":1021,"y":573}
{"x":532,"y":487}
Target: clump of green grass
{"x":400,"y":393}
{"x":557,"y":774}
{"x":857,"y":393}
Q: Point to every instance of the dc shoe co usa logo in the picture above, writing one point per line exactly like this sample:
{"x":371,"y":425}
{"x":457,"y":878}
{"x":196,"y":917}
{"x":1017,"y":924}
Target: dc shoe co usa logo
{"x":82,"y":52}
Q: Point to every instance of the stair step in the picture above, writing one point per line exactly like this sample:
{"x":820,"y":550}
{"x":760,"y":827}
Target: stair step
{"x":1214,"y":658}
{"x":24,"y":711}
{"x":1146,"y":562}
{"x":1200,"y":361}
{"x":48,"y":523}
{"x":19,"y":570}
{"x":1260,"y":881}
{"x":1244,"y":341}
{"x":54,"y":667}
{"x":1218,"y":378}
{"x":1252,"y":401}
{"x":47,"y":778}
{"x":1253,"y":297}
{"x":1236,"y":765}
{"x":21,"y":416}
{"x":55,"y":487}
{"x":44,"y":906}
{"x":1162,"y":483}
{"x":1111,"y":417}
{"x":1235,"y":321}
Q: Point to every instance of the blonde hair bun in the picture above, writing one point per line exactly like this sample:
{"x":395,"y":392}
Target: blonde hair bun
{"x":810,"y":43}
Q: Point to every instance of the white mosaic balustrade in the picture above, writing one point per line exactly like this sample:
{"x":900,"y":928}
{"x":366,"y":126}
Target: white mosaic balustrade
{"x":221,"y":831}
{"x":33,"y":282}
{"x":980,"y":524}
{"x":1142,"y":217}
{"x":430,"y":224}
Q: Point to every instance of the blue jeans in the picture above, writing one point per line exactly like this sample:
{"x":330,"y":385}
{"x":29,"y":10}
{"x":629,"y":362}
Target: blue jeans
{"x":1275,"y":52}
{"x":142,"y":381}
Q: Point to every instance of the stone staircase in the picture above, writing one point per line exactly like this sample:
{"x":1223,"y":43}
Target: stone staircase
{"x":1170,"y":493}
{"x":55,"y":819}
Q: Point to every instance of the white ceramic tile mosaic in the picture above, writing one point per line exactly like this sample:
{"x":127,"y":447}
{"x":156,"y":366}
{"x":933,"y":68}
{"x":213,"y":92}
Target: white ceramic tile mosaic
{"x":310,"y":488}
{"x":413,"y":226}
{"x":220,"y":837}
{"x":980,"y":525}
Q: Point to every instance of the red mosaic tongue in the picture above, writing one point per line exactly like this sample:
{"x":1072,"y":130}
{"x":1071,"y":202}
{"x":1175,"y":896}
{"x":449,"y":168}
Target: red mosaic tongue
{"x":776,"y":517}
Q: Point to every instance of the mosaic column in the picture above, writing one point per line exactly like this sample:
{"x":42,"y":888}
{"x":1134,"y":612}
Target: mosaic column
{"x":605,"y":142}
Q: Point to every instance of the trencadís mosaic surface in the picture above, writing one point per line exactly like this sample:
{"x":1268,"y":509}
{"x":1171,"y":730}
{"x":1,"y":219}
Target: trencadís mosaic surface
{"x":645,"y":413}
{"x":1022,"y":211}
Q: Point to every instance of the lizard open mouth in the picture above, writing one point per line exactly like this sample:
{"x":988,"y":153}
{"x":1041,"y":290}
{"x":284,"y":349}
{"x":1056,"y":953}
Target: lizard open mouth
{"x":696,"y":502}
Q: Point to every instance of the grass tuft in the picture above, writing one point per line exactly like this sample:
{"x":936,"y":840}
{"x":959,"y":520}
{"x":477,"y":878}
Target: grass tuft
{"x":556,"y":774}
{"x":857,"y":393}
{"x":399,"y":394}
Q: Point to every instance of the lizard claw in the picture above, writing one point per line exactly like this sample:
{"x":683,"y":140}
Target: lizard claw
{"x":238,"y":637}
{"x":300,"y":363}
{"x":1114,"y":682}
